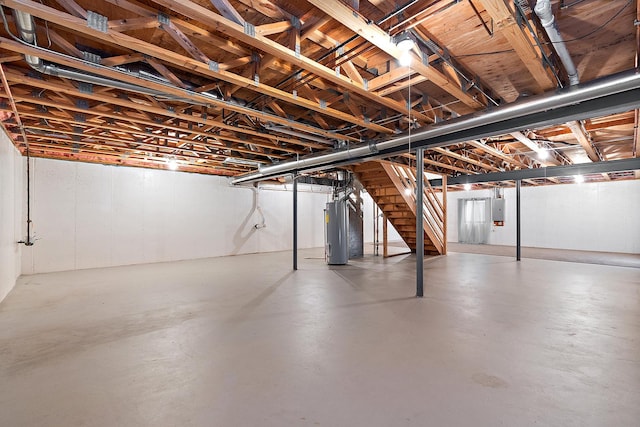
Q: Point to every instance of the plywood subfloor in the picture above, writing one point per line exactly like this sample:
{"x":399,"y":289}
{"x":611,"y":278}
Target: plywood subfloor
{"x":244,"y":341}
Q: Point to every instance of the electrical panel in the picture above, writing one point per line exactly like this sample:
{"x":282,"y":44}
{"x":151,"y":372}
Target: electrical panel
{"x":497,"y":211}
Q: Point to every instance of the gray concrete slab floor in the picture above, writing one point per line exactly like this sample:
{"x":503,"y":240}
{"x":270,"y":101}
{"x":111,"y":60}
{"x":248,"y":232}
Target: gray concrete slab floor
{"x":244,"y":341}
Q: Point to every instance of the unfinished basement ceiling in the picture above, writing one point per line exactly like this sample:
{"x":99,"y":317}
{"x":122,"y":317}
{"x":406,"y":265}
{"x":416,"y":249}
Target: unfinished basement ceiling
{"x":231,"y":85}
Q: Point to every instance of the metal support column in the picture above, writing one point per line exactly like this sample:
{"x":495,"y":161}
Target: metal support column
{"x":518,"y":249}
{"x":419,"y":222}
{"x":295,"y":222}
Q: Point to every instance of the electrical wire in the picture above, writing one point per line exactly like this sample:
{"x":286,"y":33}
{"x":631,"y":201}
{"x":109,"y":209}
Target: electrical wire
{"x":598,"y":29}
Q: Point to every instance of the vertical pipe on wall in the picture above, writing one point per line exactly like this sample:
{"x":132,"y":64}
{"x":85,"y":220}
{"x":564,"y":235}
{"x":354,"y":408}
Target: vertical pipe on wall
{"x":295,"y":222}
{"x":518,"y":249}
{"x":419,"y":222}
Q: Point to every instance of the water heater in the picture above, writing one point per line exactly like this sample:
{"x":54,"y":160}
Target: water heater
{"x":336,"y":234}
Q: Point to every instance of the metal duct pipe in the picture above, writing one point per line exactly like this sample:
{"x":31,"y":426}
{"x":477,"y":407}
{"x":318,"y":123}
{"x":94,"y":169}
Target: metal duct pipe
{"x":544,"y":12}
{"x":600,"y":88}
{"x":27,"y":31}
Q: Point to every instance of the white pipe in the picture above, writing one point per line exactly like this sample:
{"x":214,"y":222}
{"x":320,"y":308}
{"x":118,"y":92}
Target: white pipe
{"x":544,"y":12}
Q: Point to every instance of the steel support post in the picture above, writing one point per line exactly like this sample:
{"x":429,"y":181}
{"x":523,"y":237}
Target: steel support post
{"x":419,"y":222}
{"x":518,"y":242}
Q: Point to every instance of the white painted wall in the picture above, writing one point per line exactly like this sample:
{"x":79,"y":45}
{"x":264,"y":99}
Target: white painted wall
{"x":600,"y":216}
{"x":89,"y":215}
{"x":11,"y":219}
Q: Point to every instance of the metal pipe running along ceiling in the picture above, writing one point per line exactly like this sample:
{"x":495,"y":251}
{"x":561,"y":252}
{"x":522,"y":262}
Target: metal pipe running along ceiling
{"x":609,"y":95}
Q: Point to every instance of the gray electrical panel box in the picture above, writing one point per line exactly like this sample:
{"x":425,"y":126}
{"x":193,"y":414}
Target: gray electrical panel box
{"x":497,"y":208}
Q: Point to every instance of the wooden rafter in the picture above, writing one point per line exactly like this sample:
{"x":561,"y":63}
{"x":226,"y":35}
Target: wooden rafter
{"x":506,"y":24}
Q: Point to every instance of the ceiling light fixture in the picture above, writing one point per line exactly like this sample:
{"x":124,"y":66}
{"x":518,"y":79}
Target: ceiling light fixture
{"x":467,"y":187}
{"x":543,"y":154}
{"x":172,"y":164}
{"x":579,"y":179}
{"x":405,"y":41}
{"x":243,"y":162}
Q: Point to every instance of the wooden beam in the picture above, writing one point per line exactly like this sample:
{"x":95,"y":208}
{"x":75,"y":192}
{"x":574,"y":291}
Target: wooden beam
{"x":73,"y":8}
{"x":506,"y":24}
{"x":228,"y":11}
{"x":352,"y":72}
{"x":114,"y":61}
{"x":185,"y":42}
{"x":273,"y":28}
{"x":584,"y":140}
{"x":165,"y":72}
{"x":130,"y":24}
{"x":65,"y":45}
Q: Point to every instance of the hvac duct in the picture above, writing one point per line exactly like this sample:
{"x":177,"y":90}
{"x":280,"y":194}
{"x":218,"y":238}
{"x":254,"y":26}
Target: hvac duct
{"x":27,"y":32}
{"x":544,"y":12}
{"x":474,"y":123}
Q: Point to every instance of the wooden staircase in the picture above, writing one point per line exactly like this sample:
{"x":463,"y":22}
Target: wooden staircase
{"x":392,"y":187}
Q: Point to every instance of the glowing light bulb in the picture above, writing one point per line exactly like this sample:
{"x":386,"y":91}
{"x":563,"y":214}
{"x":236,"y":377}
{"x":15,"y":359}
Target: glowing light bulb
{"x":579,"y":179}
{"x":407,"y":191}
{"x":405,"y":59}
{"x":543,"y":154}
{"x":467,"y":187}
{"x":172,"y":165}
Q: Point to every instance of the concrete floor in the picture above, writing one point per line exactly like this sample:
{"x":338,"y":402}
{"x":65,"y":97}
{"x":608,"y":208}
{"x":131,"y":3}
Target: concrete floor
{"x":588,"y":257}
{"x":243,"y":341}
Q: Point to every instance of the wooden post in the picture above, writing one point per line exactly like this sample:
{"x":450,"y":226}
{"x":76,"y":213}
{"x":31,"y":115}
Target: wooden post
{"x":385,"y":246}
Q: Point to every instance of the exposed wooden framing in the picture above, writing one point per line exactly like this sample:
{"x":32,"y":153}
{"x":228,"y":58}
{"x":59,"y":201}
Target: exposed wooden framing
{"x":60,"y":41}
{"x":381,"y":39}
{"x":267,"y":8}
{"x":146,"y":123}
{"x":130,"y":24}
{"x":135,"y":140}
{"x":505,"y":24}
{"x":584,"y":140}
{"x":200,"y":66}
{"x":352,"y":72}
{"x":228,"y":11}
{"x":146,"y":48}
{"x":280,"y":73}
{"x":185,"y":42}
{"x":239,"y":62}
{"x":196,"y":11}
{"x":73,"y":8}
{"x":10,"y":58}
{"x":273,"y":28}
{"x":114,"y":61}
{"x":165,"y":72}
{"x":466,"y":159}
{"x":9,"y":44}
